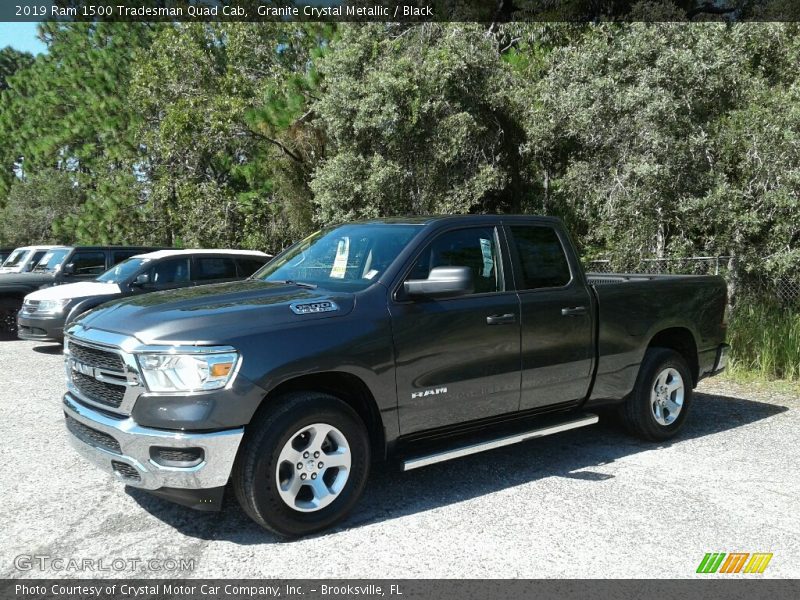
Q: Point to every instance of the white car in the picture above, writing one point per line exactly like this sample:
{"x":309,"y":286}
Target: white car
{"x":23,"y":259}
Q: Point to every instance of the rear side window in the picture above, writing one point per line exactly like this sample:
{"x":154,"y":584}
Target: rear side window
{"x":544,"y":264}
{"x":89,"y":263}
{"x":248,"y":266}
{"x":209,"y":268}
{"x":120,"y":255}
{"x":170,"y":271}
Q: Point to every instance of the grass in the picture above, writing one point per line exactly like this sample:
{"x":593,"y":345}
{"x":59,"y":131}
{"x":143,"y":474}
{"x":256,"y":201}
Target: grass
{"x":765,"y":343}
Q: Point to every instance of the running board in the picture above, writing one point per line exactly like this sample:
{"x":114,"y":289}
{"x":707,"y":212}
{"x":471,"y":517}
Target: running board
{"x":424,"y":461}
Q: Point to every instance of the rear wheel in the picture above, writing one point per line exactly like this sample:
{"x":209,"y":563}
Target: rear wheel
{"x":659,"y":404}
{"x":303,"y":465}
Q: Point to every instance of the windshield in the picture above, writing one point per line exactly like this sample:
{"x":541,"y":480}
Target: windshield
{"x":51,"y":261}
{"x":16,"y":259}
{"x":348,"y":257}
{"x":123,"y":271}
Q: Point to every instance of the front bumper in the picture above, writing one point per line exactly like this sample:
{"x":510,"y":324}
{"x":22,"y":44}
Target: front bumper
{"x":40,"y":329}
{"x":130,"y":458}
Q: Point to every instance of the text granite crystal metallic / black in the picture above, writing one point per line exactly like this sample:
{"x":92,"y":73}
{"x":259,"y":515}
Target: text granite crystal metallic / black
{"x":416,"y":340}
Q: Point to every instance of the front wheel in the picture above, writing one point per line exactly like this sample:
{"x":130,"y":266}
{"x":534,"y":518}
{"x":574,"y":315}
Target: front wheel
{"x":303,"y":465}
{"x":659,"y":404}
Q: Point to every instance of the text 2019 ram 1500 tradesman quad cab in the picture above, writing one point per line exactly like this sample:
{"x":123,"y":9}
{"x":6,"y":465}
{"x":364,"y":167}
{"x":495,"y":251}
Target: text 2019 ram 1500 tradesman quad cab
{"x":421,"y":339}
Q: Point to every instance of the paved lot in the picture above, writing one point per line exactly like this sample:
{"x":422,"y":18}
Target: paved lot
{"x":587,"y":503}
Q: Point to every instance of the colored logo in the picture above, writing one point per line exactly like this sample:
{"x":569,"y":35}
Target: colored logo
{"x":735,"y":562}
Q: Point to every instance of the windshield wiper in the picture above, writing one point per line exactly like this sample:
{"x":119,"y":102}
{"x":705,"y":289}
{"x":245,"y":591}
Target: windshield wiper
{"x":302,"y":284}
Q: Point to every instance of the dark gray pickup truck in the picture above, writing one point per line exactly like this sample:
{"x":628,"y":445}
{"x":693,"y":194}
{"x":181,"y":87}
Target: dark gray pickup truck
{"x":416,"y":339}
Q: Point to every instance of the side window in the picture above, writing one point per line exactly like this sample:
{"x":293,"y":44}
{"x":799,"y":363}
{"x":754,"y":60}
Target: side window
{"x":119,"y":255}
{"x":209,"y":268}
{"x":37,"y":256}
{"x":475,"y":248}
{"x":542,"y":257}
{"x":88,"y":263}
{"x":248,"y":266}
{"x":170,"y":271}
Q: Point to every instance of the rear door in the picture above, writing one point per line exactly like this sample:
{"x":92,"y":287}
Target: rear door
{"x":557,"y":324}
{"x":458,"y":359}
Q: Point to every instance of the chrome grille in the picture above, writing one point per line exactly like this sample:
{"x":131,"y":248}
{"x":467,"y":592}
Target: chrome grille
{"x":95,"y":357}
{"x":90,"y":436}
{"x":98,"y":391}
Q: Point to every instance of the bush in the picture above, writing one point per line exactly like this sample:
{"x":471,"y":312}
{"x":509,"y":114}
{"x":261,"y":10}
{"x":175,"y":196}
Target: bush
{"x":765,"y":340}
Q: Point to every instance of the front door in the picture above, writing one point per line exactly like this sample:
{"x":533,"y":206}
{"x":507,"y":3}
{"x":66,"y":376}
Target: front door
{"x":458,"y":359}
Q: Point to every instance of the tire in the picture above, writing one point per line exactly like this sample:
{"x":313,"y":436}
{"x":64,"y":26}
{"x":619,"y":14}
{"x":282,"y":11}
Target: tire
{"x":265,"y":481}
{"x":664,"y":383}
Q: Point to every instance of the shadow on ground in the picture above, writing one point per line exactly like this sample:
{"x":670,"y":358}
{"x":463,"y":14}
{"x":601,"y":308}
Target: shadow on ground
{"x":52,"y":349}
{"x":391,"y":493}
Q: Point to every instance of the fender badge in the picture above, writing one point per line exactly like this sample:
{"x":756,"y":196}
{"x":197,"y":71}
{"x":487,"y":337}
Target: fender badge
{"x":319,"y":306}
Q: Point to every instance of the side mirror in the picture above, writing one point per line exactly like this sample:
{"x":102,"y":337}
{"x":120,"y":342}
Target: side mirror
{"x":442,"y":281}
{"x":69,"y":269}
{"x":142,"y":279}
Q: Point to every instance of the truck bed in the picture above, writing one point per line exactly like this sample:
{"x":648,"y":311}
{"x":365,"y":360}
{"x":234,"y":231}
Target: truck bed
{"x":633,"y":307}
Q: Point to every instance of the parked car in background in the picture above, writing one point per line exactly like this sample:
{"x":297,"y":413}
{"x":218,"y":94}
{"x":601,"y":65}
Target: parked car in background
{"x":44,"y":312}
{"x":24,"y":259}
{"x":58,"y":265}
{"x":4,"y":253}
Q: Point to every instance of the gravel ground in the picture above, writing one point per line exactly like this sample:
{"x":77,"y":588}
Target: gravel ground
{"x":586,"y":503}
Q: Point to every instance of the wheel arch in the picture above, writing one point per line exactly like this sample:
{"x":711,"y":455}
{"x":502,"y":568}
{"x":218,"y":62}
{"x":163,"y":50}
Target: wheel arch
{"x":349,"y":388}
{"x":682,"y":341}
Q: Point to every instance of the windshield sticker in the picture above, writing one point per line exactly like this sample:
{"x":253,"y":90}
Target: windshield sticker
{"x":340,"y":264}
{"x":488,"y":260}
{"x":370,"y":274}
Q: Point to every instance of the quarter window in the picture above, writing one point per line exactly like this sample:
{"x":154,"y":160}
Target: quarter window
{"x":544,"y":264}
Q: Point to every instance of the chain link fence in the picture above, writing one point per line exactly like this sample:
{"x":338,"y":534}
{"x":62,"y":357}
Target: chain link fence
{"x":784,"y":291}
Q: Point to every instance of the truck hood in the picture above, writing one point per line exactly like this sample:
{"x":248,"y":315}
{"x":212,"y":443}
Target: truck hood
{"x":71,"y":291}
{"x":211,"y":314}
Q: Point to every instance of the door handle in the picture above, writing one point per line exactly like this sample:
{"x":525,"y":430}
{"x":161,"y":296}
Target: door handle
{"x":506,"y":319}
{"x":573,"y":311}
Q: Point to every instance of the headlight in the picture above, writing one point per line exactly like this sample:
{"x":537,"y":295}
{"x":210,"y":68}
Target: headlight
{"x":46,"y":307}
{"x":187,"y":372}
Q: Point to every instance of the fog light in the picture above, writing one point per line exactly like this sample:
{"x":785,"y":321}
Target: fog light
{"x":177,"y":458}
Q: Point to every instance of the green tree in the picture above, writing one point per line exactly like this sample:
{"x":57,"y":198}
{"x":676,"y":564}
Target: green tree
{"x":69,"y":111}
{"x":419,"y":119}
{"x":11,"y":61}
{"x":36,"y":208}
{"x":226,"y":131}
